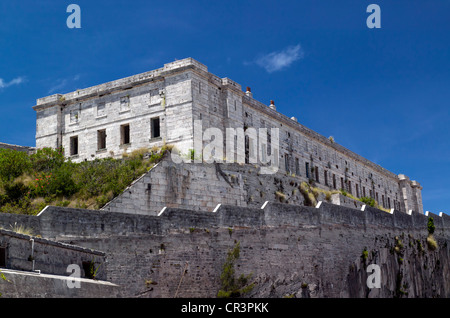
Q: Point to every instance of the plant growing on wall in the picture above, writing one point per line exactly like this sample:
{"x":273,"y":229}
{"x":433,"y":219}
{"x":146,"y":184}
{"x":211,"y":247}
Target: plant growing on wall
{"x":230,"y":285}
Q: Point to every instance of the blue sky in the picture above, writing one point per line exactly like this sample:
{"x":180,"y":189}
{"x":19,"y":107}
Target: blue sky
{"x":383,"y":93}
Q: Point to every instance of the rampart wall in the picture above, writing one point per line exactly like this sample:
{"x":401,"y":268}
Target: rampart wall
{"x":289,"y":250}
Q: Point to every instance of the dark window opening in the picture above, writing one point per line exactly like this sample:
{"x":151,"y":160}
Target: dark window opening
{"x":156,"y":131}
{"x":334,"y":181}
{"x":325,"y":177}
{"x":101,"y":139}
{"x":125,"y":134}
{"x":74,"y":146}
{"x":297,"y":167}
{"x":2,"y":256}
{"x":307,"y":169}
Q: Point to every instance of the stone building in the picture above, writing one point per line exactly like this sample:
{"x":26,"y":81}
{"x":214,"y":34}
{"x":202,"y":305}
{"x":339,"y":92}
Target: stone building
{"x":162,"y":106}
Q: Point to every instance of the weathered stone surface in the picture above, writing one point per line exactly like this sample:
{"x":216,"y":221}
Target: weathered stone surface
{"x":290,"y":250}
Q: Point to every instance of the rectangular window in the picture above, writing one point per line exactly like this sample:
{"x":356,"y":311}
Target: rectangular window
{"x":286,"y":164}
{"x":124,"y":103}
{"x":325,"y":177}
{"x":376,"y":196}
{"x":389,"y":202}
{"x":307,"y":169}
{"x":357,"y":190}
{"x":101,"y":139}
{"x":297,"y":167}
{"x":342,"y":184}
{"x":154,"y":96}
{"x":334,"y":181}
{"x":155,"y":127}
{"x":349,"y":187}
{"x":74,"y":116}
{"x":125,"y":134}
{"x":382,"y":201}
{"x":74,"y":145}
{"x":101,"y":109}
{"x":364,"y":191}
{"x":2,"y":256}
{"x":317,"y":174}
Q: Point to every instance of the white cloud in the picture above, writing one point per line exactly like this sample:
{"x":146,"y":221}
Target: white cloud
{"x":16,"y":81}
{"x":279,"y":60}
{"x":62,"y":83}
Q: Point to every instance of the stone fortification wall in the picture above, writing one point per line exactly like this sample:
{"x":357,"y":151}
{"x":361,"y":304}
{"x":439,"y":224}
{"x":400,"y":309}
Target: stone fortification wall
{"x":34,"y":254}
{"x":290,"y":250}
{"x":200,"y":186}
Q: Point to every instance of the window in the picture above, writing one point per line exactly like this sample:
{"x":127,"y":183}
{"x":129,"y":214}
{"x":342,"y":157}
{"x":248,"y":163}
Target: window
{"x":263,"y":152}
{"x":125,"y":134}
{"x":74,"y":116}
{"x":124,"y":103}
{"x":342,"y":183}
{"x":74,"y":145}
{"x":101,"y":109}
{"x":307,"y":169}
{"x":389,"y":202}
{"x":364,"y":191}
{"x":325,"y":177}
{"x":101,"y":139}
{"x":334,"y":181}
{"x":357,"y":190}
{"x":297,"y":167}
{"x":317,"y":173}
{"x":2,"y":256}
{"x":349,"y":186}
{"x":382,"y":200}
{"x":287,"y":164}
{"x":155,"y":128}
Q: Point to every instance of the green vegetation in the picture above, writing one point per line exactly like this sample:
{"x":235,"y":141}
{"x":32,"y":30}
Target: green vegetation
{"x":30,"y":182}
{"x":431,"y":242}
{"x":430,"y":225}
{"x":365,"y":255}
{"x":368,"y":201}
{"x":232,"y":286}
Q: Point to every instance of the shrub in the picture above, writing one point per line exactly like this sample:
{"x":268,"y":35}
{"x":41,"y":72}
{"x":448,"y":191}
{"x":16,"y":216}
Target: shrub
{"x":431,"y":242}
{"x":368,"y":201}
{"x":13,"y":164}
{"x":15,"y":191}
{"x":232,"y":286}
{"x":47,"y":159}
{"x":430,"y":225}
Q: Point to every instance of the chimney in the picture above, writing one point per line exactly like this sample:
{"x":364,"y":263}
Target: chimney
{"x":272,"y":105}
{"x":249,"y":92}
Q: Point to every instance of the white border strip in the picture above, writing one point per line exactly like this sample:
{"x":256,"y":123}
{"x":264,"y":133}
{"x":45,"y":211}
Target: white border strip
{"x":162,"y":211}
{"x":318,"y":204}
{"x":264,"y":205}
{"x":42,"y":211}
{"x":217,"y":207}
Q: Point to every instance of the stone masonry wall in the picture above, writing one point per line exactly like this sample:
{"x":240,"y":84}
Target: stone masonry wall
{"x":49,"y":257}
{"x":203,"y":186}
{"x":289,"y":250}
